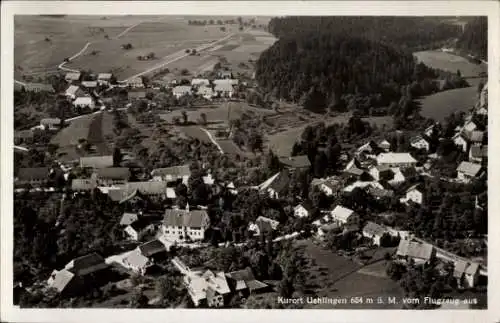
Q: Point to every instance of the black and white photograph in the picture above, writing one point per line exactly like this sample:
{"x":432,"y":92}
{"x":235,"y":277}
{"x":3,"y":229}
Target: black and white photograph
{"x":248,"y":161}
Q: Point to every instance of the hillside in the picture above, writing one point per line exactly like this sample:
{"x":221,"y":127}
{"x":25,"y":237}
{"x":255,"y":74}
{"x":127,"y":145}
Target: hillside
{"x":474,"y":39}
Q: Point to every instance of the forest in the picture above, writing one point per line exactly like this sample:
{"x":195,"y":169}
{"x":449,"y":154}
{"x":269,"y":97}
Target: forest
{"x":474,"y":39}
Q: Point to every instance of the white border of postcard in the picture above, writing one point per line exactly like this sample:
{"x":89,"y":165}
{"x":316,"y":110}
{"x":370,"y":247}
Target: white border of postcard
{"x":244,"y":8}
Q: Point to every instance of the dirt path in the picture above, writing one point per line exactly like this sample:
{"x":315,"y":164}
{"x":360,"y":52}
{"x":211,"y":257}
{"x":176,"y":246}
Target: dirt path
{"x":212,"y":139}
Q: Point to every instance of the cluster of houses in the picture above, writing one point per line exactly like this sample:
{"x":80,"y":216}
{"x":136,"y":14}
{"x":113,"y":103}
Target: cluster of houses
{"x":218,"y":88}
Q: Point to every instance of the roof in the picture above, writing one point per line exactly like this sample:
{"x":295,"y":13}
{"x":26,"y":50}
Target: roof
{"x":147,"y":188}
{"x":478,"y":152}
{"x":72,"y":89}
{"x":331,"y":183}
{"x":341,"y":213}
{"x":225,"y":82}
{"x":468,"y":168}
{"x":83,"y":100}
{"x":171,"y":193}
{"x":85,"y":262}
{"x":384,"y":144}
{"x":89,"y":83}
{"x":374,"y":229}
{"x":136,"y":259}
{"x":359,"y":184}
{"x":301,"y":161}
{"x":136,"y":94}
{"x":413,"y":187}
{"x":128,"y":218}
{"x":135,"y":80}
{"x":267,"y":183}
{"x":476,"y":136}
{"x":262,"y":219}
{"x":306,"y":205}
{"x":183,"y":218}
{"x":62,"y":279}
{"x":50,"y":121}
{"x":472,"y":268}
{"x":415,"y":249}
{"x":382,"y":168}
{"x":33,"y":173}
{"x":72,"y":76}
{"x":369,"y":146}
{"x":246,"y":276}
{"x":378,"y":192}
{"x":83,"y":184}
{"x":174,"y":171}
{"x":152,"y":247}
{"x":113,"y":173}
{"x":104,"y":76}
{"x":416,"y":139}
{"x":205,"y":90}
{"x":23,"y":134}
{"x":182,"y":89}
{"x":395,"y":158}
{"x":196,"y":81}
{"x":96,"y":161}
{"x":280,"y":182}
{"x":223,"y":87}
{"x":39,"y":87}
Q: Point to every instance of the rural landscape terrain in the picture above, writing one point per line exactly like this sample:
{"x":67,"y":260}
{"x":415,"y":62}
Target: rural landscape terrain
{"x":250,"y":162}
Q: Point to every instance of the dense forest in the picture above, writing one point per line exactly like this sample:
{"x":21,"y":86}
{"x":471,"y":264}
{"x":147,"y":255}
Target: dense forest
{"x":475,"y":38}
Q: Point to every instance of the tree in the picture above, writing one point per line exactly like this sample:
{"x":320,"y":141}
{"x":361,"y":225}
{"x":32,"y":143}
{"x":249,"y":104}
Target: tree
{"x":151,"y":55}
{"x":166,"y":288}
{"x":203,"y":117}
{"x":117,"y":157}
{"x":184,"y":117}
{"x":139,"y":300}
{"x":223,"y":29}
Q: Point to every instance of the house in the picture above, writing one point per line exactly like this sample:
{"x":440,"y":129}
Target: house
{"x":86,"y":265}
{"x":89,"y":84}
{"x":72,"y":77}
{"x":295,"y":162}
{"x":84,"y":102}
{"x":396,"y":160}
{"x":136,"y":95}
{"x":342,"y":215}
{"x":379,"y":193}
{"x":303,"y":210}
{"x":135,"y":82}
{"x":137,"y":262}
{"x":384,"y":145}
{"x":420,"y":142}
{"x":23,"y":137}
{"x":172,"y":174}
{"x":205,"y":92}
{"x":34,"y":176}
{"x":224,"y":74}
{"x":460,"y":140}
{"x":231,"y":82}
{"x":413,"y":194}
{"x":181,"y":90}
{"x":38,"y":87}
{"x":50,"y":123}
{"x":83,"y":184}
{"x":181,"y":225}
{"x":476,"y":137}
{"x":466,"y":273}
{"x":355,"y":169}
{"x":374,"y":232}
{"x":72,"y":91}
{"x":331,"y":186}
{"x":263,"y":225}
{"x":381,"y":172}
{"x":243,"y":282}
{"x":96,"y":162}
{"x":224,"y":90}
{"x":469,"y":126}
{"x":128,"y":218}
{"x":467,"y":171}
{"x":151,"y":189}
{"x":279,"y":185}
{"x":200,"y":82}
{"x":138,"y":229}
{"x":362,"y":185}
{"x":370,"y":148}
{"x":104,"y":78}
{"x":483,"y":98}
{"x":207,"y":288}
{"x":419,"y":252}
{"x":112,"y":175}
{"x":477,"y":154}
{"x":63,"y":281}
{"x":153,"y":249}
{"x":208,"y":179}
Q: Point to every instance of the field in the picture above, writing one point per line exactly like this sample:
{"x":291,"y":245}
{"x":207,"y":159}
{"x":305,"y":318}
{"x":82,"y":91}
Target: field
{"x":438,"y":106}
{"x":450,"y":62}
{"x":334,"y":276}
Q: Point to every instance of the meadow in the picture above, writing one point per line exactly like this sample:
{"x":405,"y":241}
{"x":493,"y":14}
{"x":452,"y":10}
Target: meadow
{"x":450,"y":62}
{"x":438,"y":106}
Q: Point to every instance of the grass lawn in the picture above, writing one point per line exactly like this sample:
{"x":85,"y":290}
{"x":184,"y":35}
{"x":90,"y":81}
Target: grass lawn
{"x":78,"y":129}
{"x":438,"y":106}
{"x":450,"y":62}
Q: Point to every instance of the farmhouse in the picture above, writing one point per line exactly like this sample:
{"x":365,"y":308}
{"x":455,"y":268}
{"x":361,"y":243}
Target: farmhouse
{"x":420,"y":142}
{"x":413,"y":194}
{"x":181,"y":90}
{"x":138,"y":229}
{"x":225,"y":90}
{"x":172,"y":174}
{"x":96,"y":162}
{"x":396,"y":160}
{"x":104,"y":78}
{"x":84,"y":102}
{"x":73,"y":77}
{"x":50,"y":123}
{"x":180,"y":225}
{"x":466,"y":273}
{"x":477,"y":154}
{"x":35,"y":176}
{"x":342,"y":215}
{"x":296,"y":162}
{"x":374,"y":232}
{"x":85,"y":265}
{"x":208,"y":288}
{"x":467,"y":171}
{"x":112,"y":175}
{"x":303,"y":210}
{"x":135,"y":82}
{"x":153,"y":249}
{"x":419,"y":252}
{"x":38,"y":87}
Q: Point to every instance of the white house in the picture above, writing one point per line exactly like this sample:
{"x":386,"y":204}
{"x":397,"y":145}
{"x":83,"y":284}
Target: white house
{"x":205,"y":92}
{"x":84,"y":101}
{"x":72,"y":76}
{"x":71,"y":92}
{"x":396,"y":160}
{"x":384,"y":145}
{"x":263,"y":225}
{"x":330,"y":186}
{"x":460,"y":140}
{"x":224,"y":90}
{"x":180,"y":225}
{"x":420,"y":142}
{"x":343,"y":215}
{"x":172,"y":174}
{"x":467,"y":171}
{"x":137,"y":262}
{"x":181,"y":90}
{"x":303,"y":210}
{"x":381,"y":172}
{"x":89,"y":84}
{"x":199,"y":82}
{"x":413,"y":194}
{"x":470,"y":126}
{"x":135,"y":82}
{"x":466,"y":273}
{"x":104,"y":78}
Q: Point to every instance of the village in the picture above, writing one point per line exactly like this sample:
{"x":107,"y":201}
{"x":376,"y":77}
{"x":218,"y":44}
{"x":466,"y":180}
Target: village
{"x":159,"y":226}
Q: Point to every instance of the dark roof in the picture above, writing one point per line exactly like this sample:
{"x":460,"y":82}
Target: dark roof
{"x":301,"y":161}
{"x":280,"y":182}
{"x":247,"y":276}
{"x":152,"y":247}
{"x":178,"y":218}
{"x":87,"y":261}
{"x":380,"y":192}
{"x":479,"y":152}
{"x":113,"y":173}
{"x":34,"y":173}
{"x":140,"y":224}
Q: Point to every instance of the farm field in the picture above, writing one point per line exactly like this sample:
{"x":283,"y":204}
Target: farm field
{"x":450,"y":62}
{"x":438,"y":106}
{"x":334,"y":276}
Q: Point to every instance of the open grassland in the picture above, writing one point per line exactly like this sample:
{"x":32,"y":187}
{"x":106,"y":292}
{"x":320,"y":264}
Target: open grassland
{"x":438,"y":106}
{"x":77,"y":129}
{"x":450,"y":62}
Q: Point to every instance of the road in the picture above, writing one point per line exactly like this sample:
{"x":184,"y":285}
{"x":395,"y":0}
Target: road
{"x":212,"y":139}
